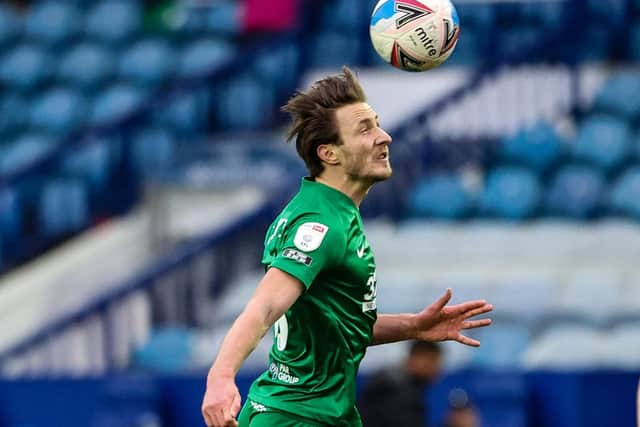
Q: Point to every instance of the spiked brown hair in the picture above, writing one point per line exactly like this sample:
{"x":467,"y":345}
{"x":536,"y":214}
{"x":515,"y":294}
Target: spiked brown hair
{"x":314,"y":115}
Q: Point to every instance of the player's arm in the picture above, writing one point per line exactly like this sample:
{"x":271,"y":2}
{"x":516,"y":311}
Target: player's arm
{"x":437,"y":322}
{"x":275,"y":294}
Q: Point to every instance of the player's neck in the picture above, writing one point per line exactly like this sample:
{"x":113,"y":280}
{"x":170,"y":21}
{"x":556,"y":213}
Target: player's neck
{"x":355,"y":190}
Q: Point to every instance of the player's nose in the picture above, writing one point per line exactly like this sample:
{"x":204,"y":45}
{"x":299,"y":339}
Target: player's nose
{"x":384,"y":137}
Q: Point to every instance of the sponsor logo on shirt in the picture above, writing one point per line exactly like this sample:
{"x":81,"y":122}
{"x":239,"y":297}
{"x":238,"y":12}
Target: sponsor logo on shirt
{"x":281,"y":372}
{"x":309,"y":236}
{"x":259,"y":407}
{"x":297,"y":256}
{"x":368,"y":306}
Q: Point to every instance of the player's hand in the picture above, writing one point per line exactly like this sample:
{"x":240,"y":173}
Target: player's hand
{"x":221,"y":402}
{"x":440,"y":322}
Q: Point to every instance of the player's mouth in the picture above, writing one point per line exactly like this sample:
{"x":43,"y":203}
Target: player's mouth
{"x":383,"y":156}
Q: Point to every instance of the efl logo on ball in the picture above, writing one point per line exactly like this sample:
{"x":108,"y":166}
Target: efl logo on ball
{"x":414,"y":35}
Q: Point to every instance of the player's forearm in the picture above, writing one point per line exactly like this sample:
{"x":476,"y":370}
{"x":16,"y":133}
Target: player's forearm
{"x":240,"y":341}
{"x":393,"y":327}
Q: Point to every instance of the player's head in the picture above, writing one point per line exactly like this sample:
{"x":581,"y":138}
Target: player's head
{"x":425,"y":360}
{"x":336,"y":129}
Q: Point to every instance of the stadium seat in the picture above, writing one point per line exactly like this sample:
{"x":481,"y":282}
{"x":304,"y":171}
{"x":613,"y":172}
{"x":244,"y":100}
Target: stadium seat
{"x":13,"y":115}
{"x":577,"y":298}
{"x":604,"y":142}
{"x":115,"y":103}
{"x":244,"y":94}
{"x":279,"y":67}
{"x":595,"y":46}
{"x":58,"y":111}
{"x":619,"y":354}
{"x":610,"y":13}
{"x":10,"y":215}
{"x":169,"y":350}
{"x":502,"y":346}
{"x":9,"y":26}
{"x":566,"y":346}
{"x":634,"y":42}
{"x":625,"y":193}
{"x":527,"y":301}
{"x":575,"y":192}
{"x":440,"y":196}
{"x":114,"y":21}
{"x":480,"y":17}
{"x":204,"y":57}
{"x":86,"y":66}
{"x":469,"y":49}
{"x":344,"y":17}
{"x":511,"y":193}
{"x":148,"y":63}
{"x":52,"y":22}
{"x":63,"y":208}
{"x":185,"y":114}
{"x":24,"y":150}
{"x":153,"y":151}
{"x":515,"y":41}
{"x":222,"y":18}
{"x":91,"y":162}
{"x":538,"y":147}
{"x":25,"y":67}
{"x":330,"y":50}
{"x":620,"y":96}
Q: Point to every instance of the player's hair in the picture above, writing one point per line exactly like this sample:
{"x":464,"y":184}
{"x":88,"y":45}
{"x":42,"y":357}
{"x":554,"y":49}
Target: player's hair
{"x":314,"y":118}
{"x":418,"y":346}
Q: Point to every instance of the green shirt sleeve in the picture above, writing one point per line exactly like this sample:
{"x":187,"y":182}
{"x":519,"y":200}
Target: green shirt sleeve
{"x":305,"y":246}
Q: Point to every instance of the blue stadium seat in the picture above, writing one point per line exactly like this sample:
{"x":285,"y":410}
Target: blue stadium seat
{"x":245,"y":94}
{"x":168,"y":350}
{"x":58,"y":111}
{"x":153,"y":151}
{"x":114,"y":21}
{"x":13,"y":114}
{"x":64,"y":207}
{"x":441,"y":196}
{"x":468,"y":50}
{"x":595,"y":45}
{"x":511,"y":193}
{"x":9,"y":26}
{"x":575,"y":192}
{"x":330,"y":50}
{"x":115,"y":103}
{"x":91,"y":162}
{"x":24,"y":150}
{"x":625,"y":193}
{"x":503,"y":346}
{"x":147,"y":63}
{"x":620,"y":96}
{"x":634,"y":41}
{"x":344,"y":17}
{"x":278,"y":66}
{"x":548,"y":15}
{"x":513,"y":42}
{"x":538,"y":147}
{"x":186,"y":114}
{"x":52,"y":22}
{"x":610,"y":13}
{"x":478,"y":16}
{"x":222,"y":17}
{"x":25,"y":67}
{"x":203,"y":57}
{"x":604,"y":142}
{"x":10,"y":214}
{"x":86,"y":66}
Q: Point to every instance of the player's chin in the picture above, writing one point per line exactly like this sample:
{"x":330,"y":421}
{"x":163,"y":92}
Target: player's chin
{"x":383,"y":175}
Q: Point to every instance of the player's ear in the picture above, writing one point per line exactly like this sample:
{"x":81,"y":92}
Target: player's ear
{"x":328,"y":154}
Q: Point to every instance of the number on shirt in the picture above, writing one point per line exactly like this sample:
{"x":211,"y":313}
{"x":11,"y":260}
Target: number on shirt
{"x":281,"y":332}
{"x":371,"y":286}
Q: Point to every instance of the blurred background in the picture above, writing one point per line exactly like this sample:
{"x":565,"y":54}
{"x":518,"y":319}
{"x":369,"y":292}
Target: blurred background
{"x":142,"y":157}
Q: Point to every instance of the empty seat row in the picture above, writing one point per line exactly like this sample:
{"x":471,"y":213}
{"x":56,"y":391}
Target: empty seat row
{"x":515,"y":193}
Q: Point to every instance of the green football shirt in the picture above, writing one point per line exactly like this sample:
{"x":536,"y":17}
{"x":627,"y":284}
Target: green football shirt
{"x":319,"y":342}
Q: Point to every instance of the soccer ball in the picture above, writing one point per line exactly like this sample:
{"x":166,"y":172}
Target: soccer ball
{"x":414,"y":35}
